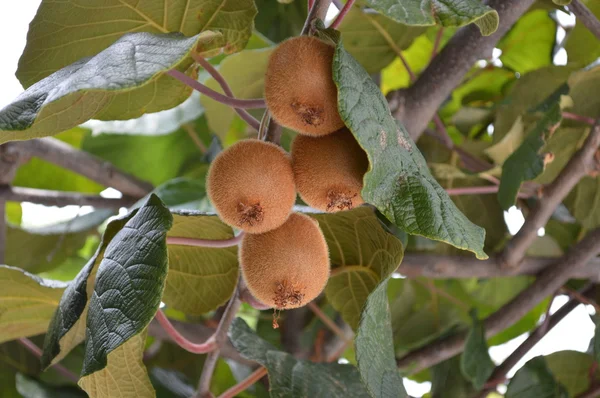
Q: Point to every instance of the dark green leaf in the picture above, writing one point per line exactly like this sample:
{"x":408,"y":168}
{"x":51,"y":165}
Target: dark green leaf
{"x":129,"y":283}
{"x":279,"y":21}
{"x":29,"y":387}
{"x":291,"y":377}
{"x":398,"y":182}
{"x":447,"y":381}
{"x":375,"y":347}
{"x":91,"y":87}
{"x":475,"y":362}
{"x":535,"y":380}
{"x":442,"y":12}
{"x":527,"y":162}
{"x":573,"y":369}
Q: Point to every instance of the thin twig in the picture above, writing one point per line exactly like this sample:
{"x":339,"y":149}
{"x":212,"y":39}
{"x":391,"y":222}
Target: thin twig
{"x":582,"y":298}
{"x":328,"y":322}
{"x":83,"y":163}
{"x":438,"y":41}
{"x":487,"y":189}
{"x":578,"y":167}
{"x":245,"y":384}
{"x":342,"y":14}
{"x":175,"y":240}
{"x":37,"y":351}
{"x":579,"y":118}
{"x":548,"y":281}
{"x":442,"y":131}
{"x":238,"y":105}
{"x":59,"y":198}
{"x":587,"y":18}
{"x":189,"y":129}
{"x":221,"y":338}
{"x":208,"y":346}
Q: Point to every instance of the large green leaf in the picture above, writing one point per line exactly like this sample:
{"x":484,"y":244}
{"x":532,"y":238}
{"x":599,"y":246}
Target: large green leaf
{"x":362,"y":255}
{"x":291,"y":377}
{"x":447,"y":381}
{"x":584,"y":202}
{"x":67,"y":328}
{"x":375,"y":347}
{"x":398,"y":182}
{"x":442,"y":12}
{"x":27,"y":303}
{"x":475,"y":362}
{"x":64,"y":32}
{"x":129,"y":283}
{"x":375,"y":40}
{"x":573,"y":369}
{"x":120,"y":82}
{"x":530,"y":42}
{"x":200,"y":279}
{"x":582,"y":45}
{"x":124,"y":376}
{"x":535,"y":380}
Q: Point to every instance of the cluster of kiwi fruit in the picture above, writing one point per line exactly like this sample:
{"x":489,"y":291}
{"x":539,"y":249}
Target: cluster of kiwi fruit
{"x":253,"y":184}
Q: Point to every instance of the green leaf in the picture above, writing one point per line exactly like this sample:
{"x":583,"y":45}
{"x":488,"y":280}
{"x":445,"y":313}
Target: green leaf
{"x":96,"y":88}
{"x":245,"y":74}
{"x":291,"y":377}
{"x":582,"y":46}
{"x":375,"y":40}
{"x":475,"y":362}
{"x":67,"y":328}
{"x":200,"y":279}
{"x":596,"y":339}
{"x":280,"y":21}
{"x":398,"y":182}
{"x":584,"y":202}
{"x":584,"y":86}
{"x":572,"y":369}
{"x":530,"y":42}
{"x":27,"y":303}
{"x":375,"y":347}
{"x":527,"y":162}
{"x":447,"y":381}
{"x":129,"y":283}
{"x":562,"y":144}
{"x":29,"y":387}
{"x":535,"y":380}
{"x":362,"y":254}
{"x":417,"y":56}
{"x":64,"y":32}
{"x":125,"y":374}
{"x":441,"y":12}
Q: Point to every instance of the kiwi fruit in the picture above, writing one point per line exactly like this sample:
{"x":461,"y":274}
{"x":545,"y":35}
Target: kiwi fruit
{"x":329,"y":170}
{"x":287,"y":267}
{"x":251,"y":185}
{"x":299,"y":88}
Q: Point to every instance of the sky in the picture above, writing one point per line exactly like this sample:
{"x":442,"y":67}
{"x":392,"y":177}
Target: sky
{"x":573,"y":333}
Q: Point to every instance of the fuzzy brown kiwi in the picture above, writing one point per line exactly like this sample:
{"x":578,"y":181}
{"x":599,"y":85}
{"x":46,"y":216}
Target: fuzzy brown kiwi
{"x":251,"y":185}
{"x":287,"y":267}
{"x":329,"y":170}
{"x":299,"y":88}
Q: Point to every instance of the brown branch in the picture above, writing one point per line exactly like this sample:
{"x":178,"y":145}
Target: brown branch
{"x":592,"y":392}
{"x":548,"y":281}
{"x":417,"y":105}
{"x":579,"y":166}
{"x":64,"y":155}
{"x":586,"y":17}
{"x":317,"y":11}
{"x":58,"y":198}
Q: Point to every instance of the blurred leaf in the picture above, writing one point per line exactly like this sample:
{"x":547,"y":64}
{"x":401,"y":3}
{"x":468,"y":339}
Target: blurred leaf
{"x":398,"y":182}
{"x":62,"y":33}
{"x":596,"y":339}
{"x":475,"y":362}
{"x":572,"y":369}
{"x":417,"y":56}
{"x":291,"y":377}
{"x":245,"y":73}
{"x":529,"y":43}
{"x":29,"y":387}
{"x":96,"y":88}
{"x":509,"y":143}
{"x":445,"y":13}
{"x":14,"y":213}
{"x":200,"y":279}
{"x":584,"y":202}
{"x":124,"y":375}
{"x":280,"y":21}
{"x":562,"y":144}
{"x":27,"y":303}
{"x":375,"y":40}
{"x":362,"y":254}
{"x":544,"y":246}
{"x":170,"y":384}
{"x":179,"y":192}
{"x":535,"y":380}
{"x":563,"y":233}
{"x":448,"y":382}
{"x":129,"y":284}
{"x":582,"y":46}
{"x":375,"y":347}
{"x":584,"y":86}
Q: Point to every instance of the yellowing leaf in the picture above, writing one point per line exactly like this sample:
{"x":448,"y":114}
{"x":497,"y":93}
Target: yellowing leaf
{"x":509,"y":143}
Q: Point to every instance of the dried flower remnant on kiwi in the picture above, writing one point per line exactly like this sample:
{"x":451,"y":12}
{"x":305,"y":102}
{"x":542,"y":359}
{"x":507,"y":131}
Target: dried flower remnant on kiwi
{"x":251,"y":185}
{"x":340,"y":200}
{"x":299,"y":87}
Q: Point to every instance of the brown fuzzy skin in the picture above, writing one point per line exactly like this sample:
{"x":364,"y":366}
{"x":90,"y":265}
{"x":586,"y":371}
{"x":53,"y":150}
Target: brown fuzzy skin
{"x":299,"y":88}
{"x":287,"y":267}
{"x":329,"y":170}
{"x":251,"y":185}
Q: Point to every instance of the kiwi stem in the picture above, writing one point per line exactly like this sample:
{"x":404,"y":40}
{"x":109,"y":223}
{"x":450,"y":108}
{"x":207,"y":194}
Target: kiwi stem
{"x":328,"y":322}
{"x":579,"y":118}
{"x":340,"y":17}
{"x":175,"y":240}
{"x":478,"y":190}
{"x":208,"y":346}
{"x":245,"y":384}
{"x":238,"y":105}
